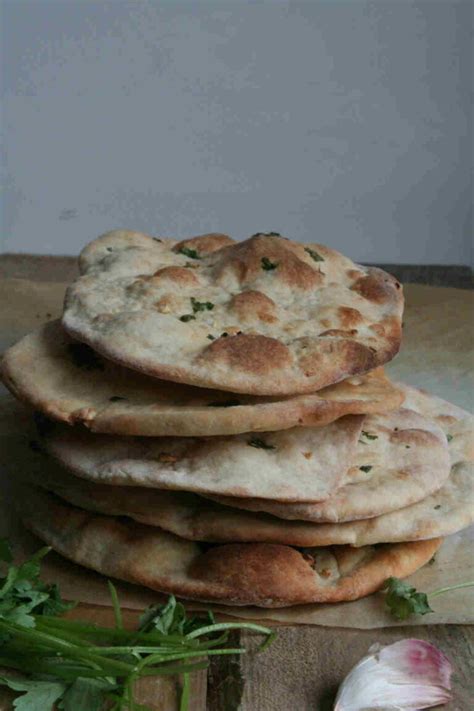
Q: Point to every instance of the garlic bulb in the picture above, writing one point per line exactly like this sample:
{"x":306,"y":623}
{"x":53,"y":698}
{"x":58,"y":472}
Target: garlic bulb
{"x":410,"y":674}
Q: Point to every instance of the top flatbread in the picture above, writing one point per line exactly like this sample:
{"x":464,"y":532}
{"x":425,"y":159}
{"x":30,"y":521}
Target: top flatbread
{"x":68,"y":381}
{"x":265,"y":316}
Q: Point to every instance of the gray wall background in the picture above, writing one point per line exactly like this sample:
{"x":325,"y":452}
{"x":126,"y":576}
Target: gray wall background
{"x":342,"y":122}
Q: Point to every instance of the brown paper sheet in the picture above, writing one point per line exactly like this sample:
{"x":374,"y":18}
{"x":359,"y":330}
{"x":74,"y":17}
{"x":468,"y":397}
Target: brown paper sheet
{"x":436,"y":354}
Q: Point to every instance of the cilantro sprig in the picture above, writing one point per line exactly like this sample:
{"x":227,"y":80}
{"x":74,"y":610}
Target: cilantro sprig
{"x":79,"y":666}
{"x":403,"y":600}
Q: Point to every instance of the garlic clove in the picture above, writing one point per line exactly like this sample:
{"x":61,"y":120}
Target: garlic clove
{"x":411,"y":674}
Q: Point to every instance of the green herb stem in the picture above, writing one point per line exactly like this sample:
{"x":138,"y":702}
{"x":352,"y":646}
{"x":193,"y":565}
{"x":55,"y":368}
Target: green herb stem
{"x":250,"y":626}
{"x":68,"y":649}
{"x":441,"y":591}
{"x":185,"y":693}
{"x":110,"y":634}
{"x":116,"y":605}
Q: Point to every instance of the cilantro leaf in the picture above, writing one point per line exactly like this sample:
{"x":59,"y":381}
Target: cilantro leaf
{"x":168,"y":619}
{"x":191,"y":253}
{"x":314,"y":255}
{"x":259,"y":443}
{"x":449,"y":437}
{"x":201,"y":305}
{"x":267,"y":265}
{"x":366,"y":468}
{"x":86,"y":694}
{"x":23,"y":595}
{"x":403,"y":600}
{"x":187,"y":317}
{"x":39,"y":696}
{"x":171,"y":618}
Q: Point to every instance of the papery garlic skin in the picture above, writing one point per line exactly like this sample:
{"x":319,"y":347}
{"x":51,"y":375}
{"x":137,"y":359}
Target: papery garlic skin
{"x":411,"y":674}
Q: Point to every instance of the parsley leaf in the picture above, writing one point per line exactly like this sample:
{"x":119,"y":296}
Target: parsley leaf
{"x":366,"y":468}
{"x":171,"y":619}
{"x":86,"y":694}
{"x":259,"y":443}
{"x":267,"y":265}
{"x":40,"y":695}
{"x":22,"y":595}
{"x":314,"y":255}
{"x":201,"y":305}
{"x":367,"y":435}
{"x":187,"y":317}
{"x":403,"y":600}
{"x":191,"y":253}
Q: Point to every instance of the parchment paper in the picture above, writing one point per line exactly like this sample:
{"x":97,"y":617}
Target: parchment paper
{"x":436,"y":354}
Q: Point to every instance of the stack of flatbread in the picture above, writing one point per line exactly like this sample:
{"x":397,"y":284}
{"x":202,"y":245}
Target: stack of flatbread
{"x":213,"y":420}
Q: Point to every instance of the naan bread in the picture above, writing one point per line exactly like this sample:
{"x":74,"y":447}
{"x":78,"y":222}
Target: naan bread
{"x":298,"y":464}
{"x":407,"y":462}
{"x":68,"y":381}
{"x":265,"y":316}
{"x":378,"y":461}
{"x":189,"y":516}
{"x":260,"y":574}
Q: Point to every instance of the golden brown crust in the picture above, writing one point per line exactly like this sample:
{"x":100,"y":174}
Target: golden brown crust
{"x":178,"y":275}
{"x":205,"y":244}
{"x":377,"y":286}
{"x":349,"y":317}
{"x":251,"y":305}
{"x":246,"y":263}
{"x":266,"y":571}
{"x":249,"y":353}
{"x":351,"y":355}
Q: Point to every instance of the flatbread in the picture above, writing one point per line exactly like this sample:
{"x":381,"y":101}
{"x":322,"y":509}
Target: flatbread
{"x":265,"y":316}
{"x":384,"y":489}
{"x":259,"y":574}
{"x":189,"y":516}
{"x":69,"y":382}
{"x":237,"y":465}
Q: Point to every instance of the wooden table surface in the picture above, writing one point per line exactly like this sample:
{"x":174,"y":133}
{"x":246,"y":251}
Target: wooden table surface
{"x":303,"y":668}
